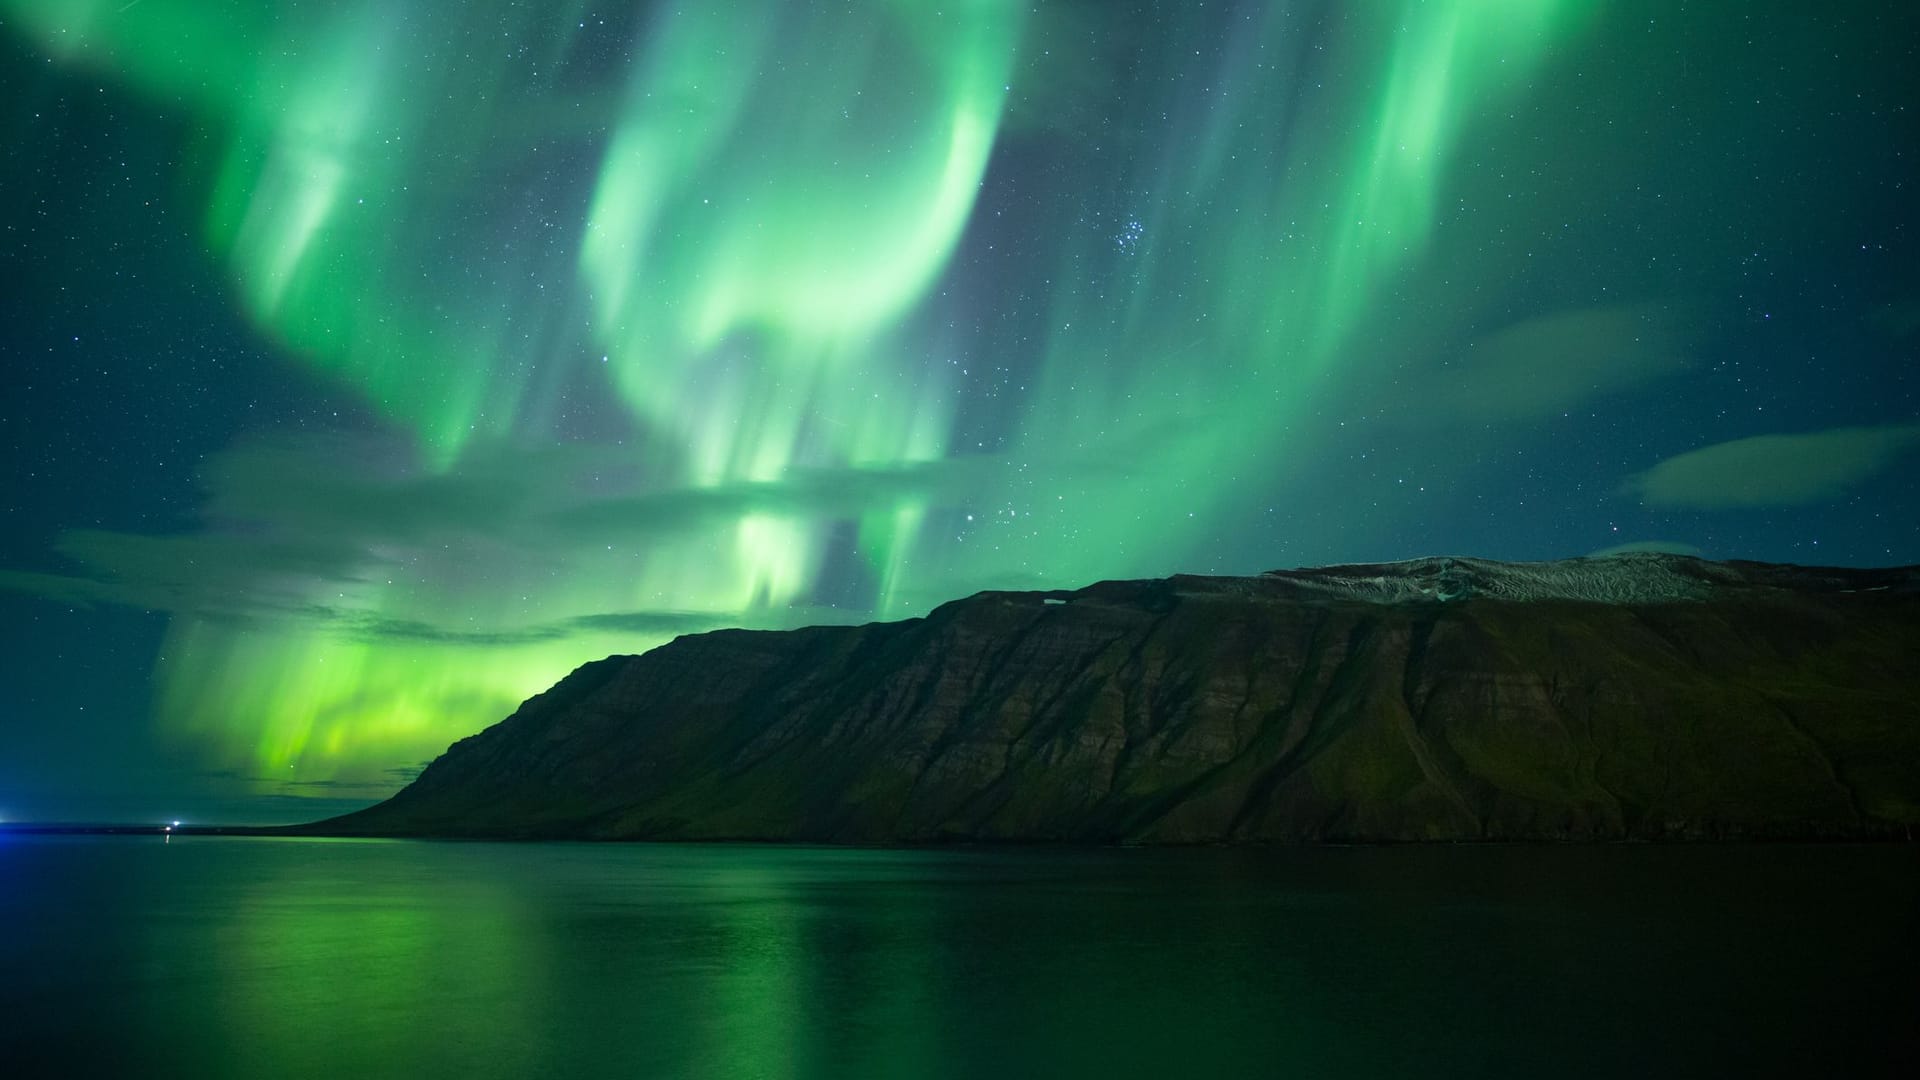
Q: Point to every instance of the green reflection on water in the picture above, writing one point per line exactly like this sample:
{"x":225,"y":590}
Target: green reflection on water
{"x":248,"y":958}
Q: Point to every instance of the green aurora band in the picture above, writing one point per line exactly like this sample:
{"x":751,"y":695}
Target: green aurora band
{"x":741,"y":236}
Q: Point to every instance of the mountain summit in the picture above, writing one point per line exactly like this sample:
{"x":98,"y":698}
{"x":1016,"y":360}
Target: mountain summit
{"x":1627,"y":697}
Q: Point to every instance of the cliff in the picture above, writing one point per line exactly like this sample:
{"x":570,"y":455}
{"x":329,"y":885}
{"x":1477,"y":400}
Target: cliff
{"x":1645,"y":696}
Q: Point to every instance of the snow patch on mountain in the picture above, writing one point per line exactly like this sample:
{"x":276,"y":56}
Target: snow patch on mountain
{"x":1626,"y":578}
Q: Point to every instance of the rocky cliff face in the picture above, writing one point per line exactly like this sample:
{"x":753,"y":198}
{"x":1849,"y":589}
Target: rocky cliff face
{"x":1441,"y":699}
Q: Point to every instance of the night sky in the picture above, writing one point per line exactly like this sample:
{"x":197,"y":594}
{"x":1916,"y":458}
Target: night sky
{"x":366,"y":366}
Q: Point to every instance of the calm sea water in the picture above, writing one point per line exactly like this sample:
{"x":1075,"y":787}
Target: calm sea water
{"x":214,"y":957}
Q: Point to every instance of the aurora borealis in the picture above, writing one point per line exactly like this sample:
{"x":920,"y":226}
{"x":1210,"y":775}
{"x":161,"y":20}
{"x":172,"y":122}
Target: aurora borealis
{"x":372,"y":364}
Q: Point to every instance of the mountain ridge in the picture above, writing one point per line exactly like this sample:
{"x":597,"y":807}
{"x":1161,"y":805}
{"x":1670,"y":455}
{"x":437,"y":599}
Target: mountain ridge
{"x":1628,"y":697}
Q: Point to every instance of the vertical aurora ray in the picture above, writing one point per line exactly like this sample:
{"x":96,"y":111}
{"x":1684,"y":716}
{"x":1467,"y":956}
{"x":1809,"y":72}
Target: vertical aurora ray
{"x":785,"y":183}
{"x":1231,"y":291}
{"x":728,"y":233}
{"x":786,"y":171}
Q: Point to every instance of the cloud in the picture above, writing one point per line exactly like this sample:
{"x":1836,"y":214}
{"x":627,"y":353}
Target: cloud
{"x":1663,"y":547}
{"x":648,"y":623}
{"x":1773,"y":470}
{"x":350,"y":535}
{"x":312,"y":530}
{"x":1543,"y":366}
{"x":801,"y":492}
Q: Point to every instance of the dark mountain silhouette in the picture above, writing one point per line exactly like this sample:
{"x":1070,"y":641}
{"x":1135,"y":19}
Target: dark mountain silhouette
{"x":1642,"y":696}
